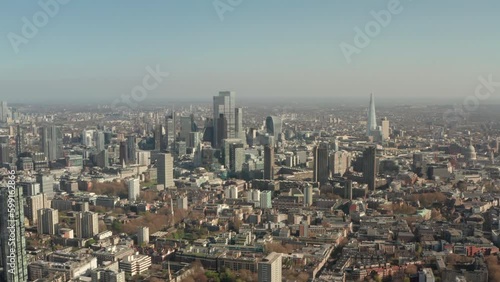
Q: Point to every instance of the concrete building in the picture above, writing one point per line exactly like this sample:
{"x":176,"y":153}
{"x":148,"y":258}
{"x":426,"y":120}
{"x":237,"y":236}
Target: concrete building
{"x":134,"y":189}
{"x":135,"y":264}
{"x":48,"y":221}
{"x":269,"y":269}
{"x":143,"y":235}
{"x":87,"y":224}
{"x":165,"y":170}
{"x":266,"y":200}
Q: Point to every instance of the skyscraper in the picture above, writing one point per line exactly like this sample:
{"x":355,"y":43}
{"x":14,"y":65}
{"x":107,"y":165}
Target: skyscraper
{"x":372,"y":118}
{"x":4,"y":111}
{"x":221,"y":130}
{"x":339,"y":162}
{"x":4,"y":153}
{"x":87,"y":224}
{"x":239,"y":131}
{"x":123,"y":153}
{"x":385,"y":129}
{"x":370,"y":169}
{"x":274,"y":126}
{"x":158,"y":137}
{"x":33,"y":204}
{"x":268,"y":162}
{"x":19,"y":141}
{"x":165,"y":170}
{"x":233,"y":154}
{"x":48,"y":221}
{"x":171,"y":131}
{"x":224,"y":104}
{"x":99,"y":140}
{"x":186,"y":128}
{"x":52,"y":142}
{"x":12,"y":240}
{"x":134,"y":189}
{"x":320,"y":166}
{"x":131,"y":149}
{"x":269,"y":269}
{"x":308,"y":195}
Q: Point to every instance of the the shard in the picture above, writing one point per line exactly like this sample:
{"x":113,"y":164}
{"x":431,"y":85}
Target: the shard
{"x":372,"y":118}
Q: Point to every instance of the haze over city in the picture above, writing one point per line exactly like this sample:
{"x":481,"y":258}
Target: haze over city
{"x":93,"y":51}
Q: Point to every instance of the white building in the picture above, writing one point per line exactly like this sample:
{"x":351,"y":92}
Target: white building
{"x":134,"y":189}
{"x":135,"y":264}
{"x":265,"y":200}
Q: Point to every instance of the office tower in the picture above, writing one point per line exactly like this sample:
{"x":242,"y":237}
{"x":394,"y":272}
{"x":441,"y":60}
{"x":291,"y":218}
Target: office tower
{"x":384,"y":130}
{"x":99,"y":141}
{"x":239,"y":130}
{"x":88,"y":137}
{"x":233,"y":154}
{"x":134,"y":189}
{"x":171,"y":131}
{"x":224,"y":104}
{"x":158,"y":137}
{"x":348,"y":189}
{"x":372,"y":118}
{"x":186,"y":127}
{"x":340,"y":161}
{"x":123,"y":153}
{"x":4,"y":154}
{"x":102,"y":159}
{"x":46,"y":181}
{"x":48,"y":221}
{"x":131,"y":149}
{"x":418,"y":163}
{"x":144,"y":157}
{"x":194,"y":139}
{"x":86,"y":224}
{"x":336,"y":145}
{"x":165,"y":170}
{"x":320,"y":165}
{"x":182,"y":202}
{"x":52,"y":142}
{"x":268,"y":162}
{"x":12,"y":240}
{"x":266,"y":200}
{"x":19,"y":141}
{"x":370,"y":167}
{"x":308,"y":195}
{"x":180,"y":148}
{"x":33,"y":204}
{"x":270,"y":268}
{"x":142,"y":235}
{"x":221,"y":130}
{"x":4,"y":111}
{"x":274,"y":126}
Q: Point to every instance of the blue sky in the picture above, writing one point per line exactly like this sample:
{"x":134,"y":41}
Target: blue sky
{"x":96,"y":50}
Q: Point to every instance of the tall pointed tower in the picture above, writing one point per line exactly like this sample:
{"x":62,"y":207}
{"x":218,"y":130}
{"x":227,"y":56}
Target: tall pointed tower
{"x":372,"y":118}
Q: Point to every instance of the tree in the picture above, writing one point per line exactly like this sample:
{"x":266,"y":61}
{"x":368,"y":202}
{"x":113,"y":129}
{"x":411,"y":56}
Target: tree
{"x":117,"y":226}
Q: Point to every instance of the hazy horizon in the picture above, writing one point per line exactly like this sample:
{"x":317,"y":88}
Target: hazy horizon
{"x":92,"y":51}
